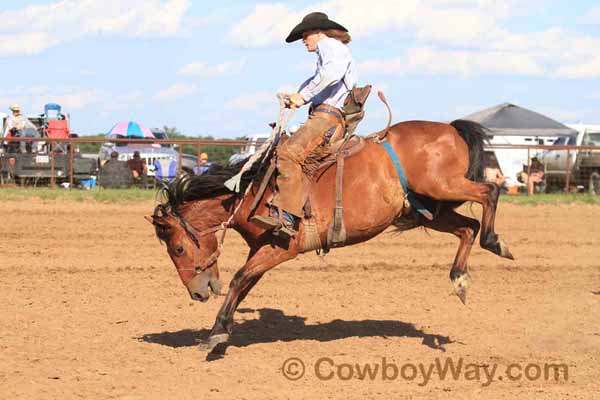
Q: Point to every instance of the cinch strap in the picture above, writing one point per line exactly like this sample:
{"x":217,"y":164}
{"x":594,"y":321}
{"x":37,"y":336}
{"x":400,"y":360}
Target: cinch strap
{"x":404,"y":182}
{"x":397,"y":164}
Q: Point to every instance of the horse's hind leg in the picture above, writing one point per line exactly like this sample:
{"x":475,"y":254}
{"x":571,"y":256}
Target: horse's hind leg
{"x":466,"y":230}
{"x":486,"y":194}
{"x":489,"y":240}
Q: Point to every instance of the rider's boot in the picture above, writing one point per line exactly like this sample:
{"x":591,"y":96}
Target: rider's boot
{"x":282,"y":223}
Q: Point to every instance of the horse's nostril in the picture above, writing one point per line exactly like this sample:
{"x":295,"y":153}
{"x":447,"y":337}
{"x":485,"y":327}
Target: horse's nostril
{"x":199,"y":297}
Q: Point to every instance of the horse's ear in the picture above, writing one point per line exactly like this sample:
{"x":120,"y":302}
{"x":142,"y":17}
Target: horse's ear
{"x":149,"y":218}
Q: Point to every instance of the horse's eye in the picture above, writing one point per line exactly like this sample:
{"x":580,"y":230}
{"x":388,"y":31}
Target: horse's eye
{"x":179,"y":251}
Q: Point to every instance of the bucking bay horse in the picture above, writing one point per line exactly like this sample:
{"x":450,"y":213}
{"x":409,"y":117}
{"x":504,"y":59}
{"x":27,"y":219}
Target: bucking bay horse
{"x":442,"y":162}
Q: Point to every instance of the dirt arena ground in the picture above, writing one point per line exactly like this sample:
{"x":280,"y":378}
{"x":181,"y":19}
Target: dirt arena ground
{"x":91,"y":307}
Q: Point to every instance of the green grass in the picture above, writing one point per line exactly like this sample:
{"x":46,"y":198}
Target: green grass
{"x":539,"y":199}
{"x":100,"y":195}
{"x":133,"y":195}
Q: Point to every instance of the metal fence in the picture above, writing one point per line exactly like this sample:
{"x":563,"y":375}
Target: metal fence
{"x":531,"y":150}
{"x":200,"y":143}
{"x":72,"y":142}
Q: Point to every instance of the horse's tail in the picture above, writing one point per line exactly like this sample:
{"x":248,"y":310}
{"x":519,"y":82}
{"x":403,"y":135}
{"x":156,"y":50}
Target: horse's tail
{"x":475,"y":136}
{"x":381,"y":134}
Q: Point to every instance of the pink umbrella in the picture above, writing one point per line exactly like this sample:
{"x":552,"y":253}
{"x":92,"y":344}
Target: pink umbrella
{"x":130,"y":129}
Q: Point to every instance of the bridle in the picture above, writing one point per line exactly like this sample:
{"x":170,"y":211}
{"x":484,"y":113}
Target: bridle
{"x":195,"y":236}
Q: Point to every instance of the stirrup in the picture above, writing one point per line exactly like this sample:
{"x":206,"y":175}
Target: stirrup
{"x":278,"y":224}
{"x":265,"y":221}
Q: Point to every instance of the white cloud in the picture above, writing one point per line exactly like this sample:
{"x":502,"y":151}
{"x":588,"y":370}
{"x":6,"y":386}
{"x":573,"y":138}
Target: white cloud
{"x":202,"y":68}
{"x":471,"y":32}
{"x":174,"y":92}
{"x":33,"y":98}
{"x":266,"y":25}
{"x":32,"y":29}
{"x":78,"y":99}
{"x":431,"y":61}
{"x":450,"y":20}
{"x":25,"y":43}
{"x":589,"y":68}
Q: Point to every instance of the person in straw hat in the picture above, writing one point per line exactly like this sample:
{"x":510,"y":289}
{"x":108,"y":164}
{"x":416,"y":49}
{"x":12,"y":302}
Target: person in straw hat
{"x":325,"y":91}
{"x":21,"y":124}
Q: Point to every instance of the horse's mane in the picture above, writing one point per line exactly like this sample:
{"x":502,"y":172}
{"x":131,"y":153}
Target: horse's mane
{"x":211,"y":184}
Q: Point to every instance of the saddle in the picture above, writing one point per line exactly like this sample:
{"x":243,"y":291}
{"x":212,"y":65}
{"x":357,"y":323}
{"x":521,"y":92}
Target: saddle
{"x":316,"y":164}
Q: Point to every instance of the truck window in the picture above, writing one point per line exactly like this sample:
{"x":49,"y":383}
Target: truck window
{"x":591,"y":139}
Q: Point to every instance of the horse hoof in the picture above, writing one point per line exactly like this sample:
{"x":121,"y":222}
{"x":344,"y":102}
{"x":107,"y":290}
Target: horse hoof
{"x":504,"y":251}
{"x":460,"y":282}
{"x":209,"y":344}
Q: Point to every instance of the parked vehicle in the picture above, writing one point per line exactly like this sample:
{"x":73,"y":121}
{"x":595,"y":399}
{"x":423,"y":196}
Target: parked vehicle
{"x":160,"y":161}
{"x":190,"y":161}
{"x":256,"y":141}
{"x":583,"y":165}
{"x":36,"y":163}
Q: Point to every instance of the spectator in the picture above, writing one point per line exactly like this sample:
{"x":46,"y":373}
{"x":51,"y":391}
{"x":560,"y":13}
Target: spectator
{"x":535,"y":177}
{"x":203,"y":164}
{"x":137,"y":166}
{"x":114,"y":156}
{"x":115,"y":173}
{"x":492,"y":172}
{"x":19,"y":126}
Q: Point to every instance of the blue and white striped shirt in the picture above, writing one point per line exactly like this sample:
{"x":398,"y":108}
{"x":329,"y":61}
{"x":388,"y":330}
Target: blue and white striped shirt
{"x":335,"y":75}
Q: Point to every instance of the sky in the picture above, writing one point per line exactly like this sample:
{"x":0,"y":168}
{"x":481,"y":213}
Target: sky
{"x":214,"y":68}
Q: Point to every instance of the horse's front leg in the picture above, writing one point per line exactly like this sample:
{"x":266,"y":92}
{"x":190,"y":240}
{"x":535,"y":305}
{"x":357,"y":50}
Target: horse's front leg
{"x":243,"y":281}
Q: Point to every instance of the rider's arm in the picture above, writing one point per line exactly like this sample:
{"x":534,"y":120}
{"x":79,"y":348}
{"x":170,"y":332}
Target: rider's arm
{"x":334,"y":59}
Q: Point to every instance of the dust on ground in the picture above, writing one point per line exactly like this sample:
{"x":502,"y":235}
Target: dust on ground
{"x":91,"y":307}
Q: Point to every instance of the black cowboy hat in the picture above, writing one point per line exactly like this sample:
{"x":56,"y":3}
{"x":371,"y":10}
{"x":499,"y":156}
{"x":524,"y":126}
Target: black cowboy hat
{"x":315,"y":20}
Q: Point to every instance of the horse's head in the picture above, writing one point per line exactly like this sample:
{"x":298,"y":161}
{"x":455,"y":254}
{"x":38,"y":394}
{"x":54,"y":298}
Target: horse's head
{"x":192,"y":210}
{"x":194,"y":252}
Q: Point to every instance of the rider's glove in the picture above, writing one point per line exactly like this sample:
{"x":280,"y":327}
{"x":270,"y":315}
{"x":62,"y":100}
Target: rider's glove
{"x":296,"y":100}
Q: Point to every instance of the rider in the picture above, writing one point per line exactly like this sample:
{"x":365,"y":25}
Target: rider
{"x":326,"y":90}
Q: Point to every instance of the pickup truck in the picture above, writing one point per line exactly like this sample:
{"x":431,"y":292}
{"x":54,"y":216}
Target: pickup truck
{"x":584,"y":165}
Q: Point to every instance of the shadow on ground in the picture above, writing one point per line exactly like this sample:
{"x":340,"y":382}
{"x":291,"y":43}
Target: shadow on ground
{"x":273,"y":325}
